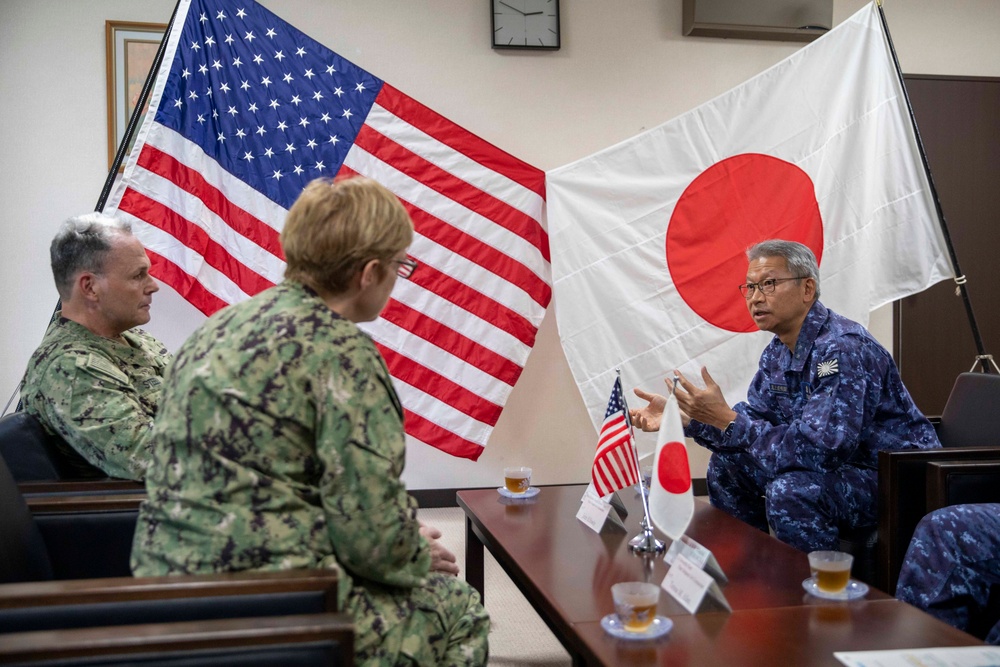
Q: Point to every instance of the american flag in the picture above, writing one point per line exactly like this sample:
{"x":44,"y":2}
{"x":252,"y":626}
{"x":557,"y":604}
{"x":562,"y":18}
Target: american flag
{"x":615,"y":466}
{"x":246,"y":110}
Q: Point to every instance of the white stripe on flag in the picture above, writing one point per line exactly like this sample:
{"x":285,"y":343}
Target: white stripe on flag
{"x":441,"y":361}
{"x":442,"y":414}
{"x":454,"y":162}
{"x":194,"y":211}
{"x":447,"y":210}
{"x":460,"y":320}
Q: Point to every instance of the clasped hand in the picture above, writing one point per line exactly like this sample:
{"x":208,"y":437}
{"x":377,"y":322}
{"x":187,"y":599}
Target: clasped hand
{"x":442,"y":560}
{"x":706,"y":405}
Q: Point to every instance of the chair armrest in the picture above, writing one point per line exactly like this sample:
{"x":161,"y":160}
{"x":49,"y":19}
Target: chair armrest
{"x":321,"y":639}
{"x":82,"y":603}
{"x":81,"y":487}
{"x":902,"y":484}
{"x":961,"y":482}
{"x":119,"y":589}
{"x":73,"y":503}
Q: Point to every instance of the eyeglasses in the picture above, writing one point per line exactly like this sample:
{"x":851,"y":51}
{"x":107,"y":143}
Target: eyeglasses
{"x":406,"y":266}
{"x":765,"y":286}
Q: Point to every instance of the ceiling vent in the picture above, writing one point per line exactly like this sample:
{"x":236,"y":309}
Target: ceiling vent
{"x":786,"y":20}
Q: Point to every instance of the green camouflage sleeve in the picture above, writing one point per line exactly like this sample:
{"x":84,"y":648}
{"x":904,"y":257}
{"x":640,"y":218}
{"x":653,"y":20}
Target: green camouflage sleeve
{"x":94,"y":407}
{"x":371,"y":518}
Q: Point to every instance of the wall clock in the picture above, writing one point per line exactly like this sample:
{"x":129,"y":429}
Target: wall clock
{"x":525,"y":24}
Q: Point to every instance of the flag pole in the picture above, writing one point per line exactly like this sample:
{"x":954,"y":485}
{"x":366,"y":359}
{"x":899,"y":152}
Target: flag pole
{"x":960,"y":280}
{"x":133,"y":121}
{"x":646,"y":542}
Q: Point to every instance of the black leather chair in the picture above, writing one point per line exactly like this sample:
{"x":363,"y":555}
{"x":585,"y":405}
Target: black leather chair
{"x":73,"y":538}
{"x":32,"y":454}
{"x":48,"y":556}
{"x":913,"y":483}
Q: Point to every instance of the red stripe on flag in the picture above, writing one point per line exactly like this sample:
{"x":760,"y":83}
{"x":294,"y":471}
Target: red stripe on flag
{"x":431,"y":227}
{"x":466,"y":349}
{"x":612,"y":433}
{"x":452,"y":187}
{"x":463,"y":141}
{"x":192,"y":182}
{"x":474,"y":250}
{"x":611,"y":468}
{"x":184,"y":284}
{"x":475,"y":302}
{"x":195,"y":238}
{"x":440,"y":387}
{"x":437,"y":436}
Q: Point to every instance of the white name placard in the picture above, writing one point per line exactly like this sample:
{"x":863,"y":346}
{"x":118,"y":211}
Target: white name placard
{"x":593,"y":512}
{"x":688,"y":584}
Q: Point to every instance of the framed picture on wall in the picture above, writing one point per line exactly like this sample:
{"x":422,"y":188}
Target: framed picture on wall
{"x":131,"y":49}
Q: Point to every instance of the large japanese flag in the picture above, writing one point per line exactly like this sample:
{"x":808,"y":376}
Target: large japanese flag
{"x":648,"y":236}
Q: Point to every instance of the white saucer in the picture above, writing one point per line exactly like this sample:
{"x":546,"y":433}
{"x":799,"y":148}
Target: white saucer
{"x":660,"y":626}
{"x":854,"y":590}
{"x":530,"y":493}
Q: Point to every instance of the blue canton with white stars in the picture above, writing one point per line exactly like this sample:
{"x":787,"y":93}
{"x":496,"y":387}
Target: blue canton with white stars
{"x":615,"y":404}
{"x":273,"y":106}
{"x":837,"y":401}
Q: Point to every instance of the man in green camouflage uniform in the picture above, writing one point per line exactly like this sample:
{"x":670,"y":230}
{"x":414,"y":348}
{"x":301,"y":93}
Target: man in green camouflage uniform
{"x":95,"y":380}
{"x":280,"y":443}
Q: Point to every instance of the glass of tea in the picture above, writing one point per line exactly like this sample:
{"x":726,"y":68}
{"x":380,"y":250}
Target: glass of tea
{"x":831,"y":570}
{"x":517,"y":479}
{"x":635,"y":604}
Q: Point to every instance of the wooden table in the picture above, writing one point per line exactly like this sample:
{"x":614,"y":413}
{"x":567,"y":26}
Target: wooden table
{"x":566,"y":570}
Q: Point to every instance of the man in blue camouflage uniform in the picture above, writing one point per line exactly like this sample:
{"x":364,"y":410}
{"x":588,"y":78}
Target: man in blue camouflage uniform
{"x":280,"y":443}
{"x":952,"y":562}
{"x":95,"y":380}
{"x":800,"y":454}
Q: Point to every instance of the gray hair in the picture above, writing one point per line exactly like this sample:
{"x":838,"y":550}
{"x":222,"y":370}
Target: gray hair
{"x":82,"y":244}
{"x":800,"y":259}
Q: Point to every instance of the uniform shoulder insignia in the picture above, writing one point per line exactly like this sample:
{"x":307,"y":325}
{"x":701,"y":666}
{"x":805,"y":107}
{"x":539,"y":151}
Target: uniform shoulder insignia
{"x":102,"y":366}
{"x":827,"y":368}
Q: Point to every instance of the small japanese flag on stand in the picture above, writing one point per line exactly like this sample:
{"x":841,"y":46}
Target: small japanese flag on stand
{"x":671,"y":500}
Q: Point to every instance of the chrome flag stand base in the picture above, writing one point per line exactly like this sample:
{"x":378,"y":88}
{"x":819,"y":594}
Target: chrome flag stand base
{"x":646,"y":542}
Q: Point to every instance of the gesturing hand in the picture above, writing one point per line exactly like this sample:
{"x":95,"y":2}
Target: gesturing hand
{"x":707,"y":405}
{"x":442,"y":560}
{"x":648,"y":417}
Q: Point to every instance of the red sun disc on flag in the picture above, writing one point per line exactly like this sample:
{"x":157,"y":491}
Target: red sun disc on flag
{"x":730,"y":206}
{"x":672,"y":470}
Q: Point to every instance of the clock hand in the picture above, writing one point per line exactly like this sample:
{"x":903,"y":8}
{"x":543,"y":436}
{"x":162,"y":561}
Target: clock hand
{"x":514,"y":8}
{"x":533,"y":13}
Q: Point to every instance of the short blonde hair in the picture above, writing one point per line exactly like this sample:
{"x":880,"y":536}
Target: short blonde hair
{"x":335,"y":227}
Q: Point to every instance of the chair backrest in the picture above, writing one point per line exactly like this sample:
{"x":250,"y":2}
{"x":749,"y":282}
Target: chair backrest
{"x":33,"y":454}
{"x":23,"y":555}
{"x":971,"y":417}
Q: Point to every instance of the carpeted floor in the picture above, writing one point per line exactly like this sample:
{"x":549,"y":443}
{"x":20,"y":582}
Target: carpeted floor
{"x":518,"y":637}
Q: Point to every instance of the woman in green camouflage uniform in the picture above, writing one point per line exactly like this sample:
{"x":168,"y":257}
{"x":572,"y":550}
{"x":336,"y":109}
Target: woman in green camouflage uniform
{"x":279,"y":442}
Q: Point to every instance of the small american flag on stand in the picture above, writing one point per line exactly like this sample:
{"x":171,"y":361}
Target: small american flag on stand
{"x":246,"y":110}
{"x":615,"y":466}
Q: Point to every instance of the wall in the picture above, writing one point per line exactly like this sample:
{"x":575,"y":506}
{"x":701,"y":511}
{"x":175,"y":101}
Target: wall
{"x":624,"y":66}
